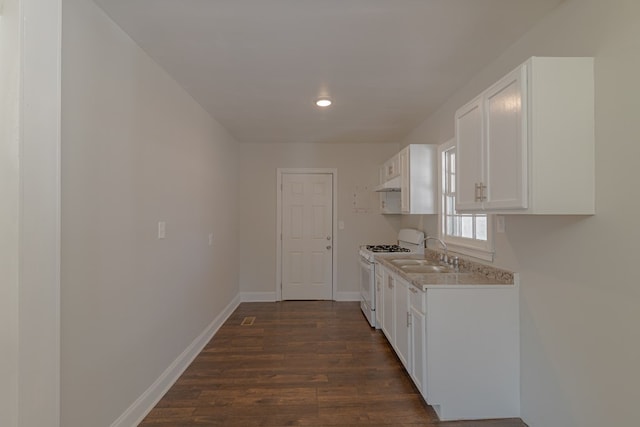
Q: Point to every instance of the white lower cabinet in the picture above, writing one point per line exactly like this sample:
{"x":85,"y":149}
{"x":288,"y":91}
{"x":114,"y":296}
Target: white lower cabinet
{"x":401,"y":335}
{"x":459,"y":344}
{"x":417,"y":339}
{"x":388,"y":306}
{"x":379,"y":297}
{"x":403,"y":323}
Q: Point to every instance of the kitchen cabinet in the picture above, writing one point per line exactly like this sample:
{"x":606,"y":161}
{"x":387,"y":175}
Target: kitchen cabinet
{"x":390,"y":202}
{"x":473,"y":352}
{"x":390,"y":169}
{"x":405,"y":184}
{"x":404,"y":324}
{"x":388,"y":302}
{"x":401,"y":334}
{"x":497,"y":116}
{"x":417,"y":338}
{"x":379,"y":297}
{"x":469,"y":166}
{"x":458,"y":343}
{"x":526,"y":144}
{"x":413,"y":189}
{"x":395,"y":315}
{"x":418,"y":179}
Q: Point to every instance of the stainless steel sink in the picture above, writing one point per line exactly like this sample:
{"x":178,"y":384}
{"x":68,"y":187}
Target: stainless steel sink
{"x":414,"y":262}
{"x":423,"y":269}
{"x":420,"y":266}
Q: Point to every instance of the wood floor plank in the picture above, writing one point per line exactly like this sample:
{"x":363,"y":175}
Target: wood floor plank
{"x":301,"y":363}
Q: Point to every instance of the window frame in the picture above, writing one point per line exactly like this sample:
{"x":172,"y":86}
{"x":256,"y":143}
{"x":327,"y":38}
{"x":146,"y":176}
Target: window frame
{"x":481,"y":249}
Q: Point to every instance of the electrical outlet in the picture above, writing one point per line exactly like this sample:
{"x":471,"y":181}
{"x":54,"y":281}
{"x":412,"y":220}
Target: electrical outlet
{"x":210,"y":239}
{"x":500,"y":224}
{"x":162,"y":229}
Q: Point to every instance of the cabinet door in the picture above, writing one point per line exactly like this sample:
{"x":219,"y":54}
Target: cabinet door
{"x":391,"y":168}
{"x":390,"y":202}
{"x":402,"y":322}
{"x":469,"y":155}
{"x":379,"y":298}
{"x":388,"y":319}
{"x":506,"y":143}
{"x":405,"y":181}
{"x":418,"y":342}
{"x":382,"y":174}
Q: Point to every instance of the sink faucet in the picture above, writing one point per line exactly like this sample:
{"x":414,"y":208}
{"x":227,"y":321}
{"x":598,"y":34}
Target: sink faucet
{"x":444,"y":258}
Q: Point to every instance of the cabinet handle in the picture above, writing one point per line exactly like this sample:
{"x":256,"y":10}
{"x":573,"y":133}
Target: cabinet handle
{"x":408,"y":319}
{"x":480,"y":192}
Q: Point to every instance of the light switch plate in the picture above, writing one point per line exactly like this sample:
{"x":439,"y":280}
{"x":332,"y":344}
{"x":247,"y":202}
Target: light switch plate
{"x":210,"y":239}
{"x":162,"y":229}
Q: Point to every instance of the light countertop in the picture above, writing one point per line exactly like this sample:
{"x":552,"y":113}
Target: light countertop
{"x":470,"y":274}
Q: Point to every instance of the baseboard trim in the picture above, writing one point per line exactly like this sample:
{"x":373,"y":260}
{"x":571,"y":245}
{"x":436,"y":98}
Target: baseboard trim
{"x":145,"y":403}
{"x":271,"y":296}
{"x":257,"y":296}
{"x":348,"y":296}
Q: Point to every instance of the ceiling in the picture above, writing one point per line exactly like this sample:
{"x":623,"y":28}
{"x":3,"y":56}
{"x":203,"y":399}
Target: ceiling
{"x":257,"y":66}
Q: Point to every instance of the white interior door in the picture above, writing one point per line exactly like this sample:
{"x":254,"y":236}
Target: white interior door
{"x":307,"y":236}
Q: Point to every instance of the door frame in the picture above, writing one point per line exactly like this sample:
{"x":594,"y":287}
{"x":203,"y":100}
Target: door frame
{"x":334,"y":229}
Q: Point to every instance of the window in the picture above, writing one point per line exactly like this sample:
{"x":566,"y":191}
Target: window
{"x":469,"y":234}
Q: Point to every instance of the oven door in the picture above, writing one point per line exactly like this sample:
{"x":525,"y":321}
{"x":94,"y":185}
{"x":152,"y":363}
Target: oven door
{"x":367,"y":290}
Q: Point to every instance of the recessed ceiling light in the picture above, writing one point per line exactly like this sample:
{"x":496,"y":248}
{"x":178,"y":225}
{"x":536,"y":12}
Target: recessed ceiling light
{"x":323,"y":102}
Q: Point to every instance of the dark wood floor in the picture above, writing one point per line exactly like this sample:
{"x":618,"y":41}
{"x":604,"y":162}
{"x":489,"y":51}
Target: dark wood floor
{"x":299,"y":364}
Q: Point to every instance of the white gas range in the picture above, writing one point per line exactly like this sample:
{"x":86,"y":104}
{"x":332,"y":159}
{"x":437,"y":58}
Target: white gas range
{"x":409,"y":241}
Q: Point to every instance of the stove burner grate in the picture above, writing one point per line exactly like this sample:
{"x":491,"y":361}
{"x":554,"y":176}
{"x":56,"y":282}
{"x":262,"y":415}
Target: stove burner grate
{"x":387,"y":248}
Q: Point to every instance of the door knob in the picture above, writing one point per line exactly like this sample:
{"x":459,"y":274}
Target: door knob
{"x":328,"y":246}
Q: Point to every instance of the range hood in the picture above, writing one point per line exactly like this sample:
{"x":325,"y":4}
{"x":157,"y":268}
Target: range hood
{"x":391,"y":185}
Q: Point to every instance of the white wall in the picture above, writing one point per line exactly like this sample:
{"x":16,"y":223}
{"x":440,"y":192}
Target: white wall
{"x":9,"y":184}
{"x":39,"y":214}
{"x":29,"y":218}
{"x":136,"y":149}
{"x":357,"y":166}
{"x":580,"y":297}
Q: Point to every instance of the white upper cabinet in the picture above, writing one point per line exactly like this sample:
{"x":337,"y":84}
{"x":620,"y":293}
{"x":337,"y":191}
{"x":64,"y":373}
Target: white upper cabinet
{"x":526,"y":144}
{"x":405,"y":184}
{"x":391,"y":168}
{"x":506,"y":143}
{"x":418,"y":179}
{"x":408,"y":181}
{"x":469,"y":165}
